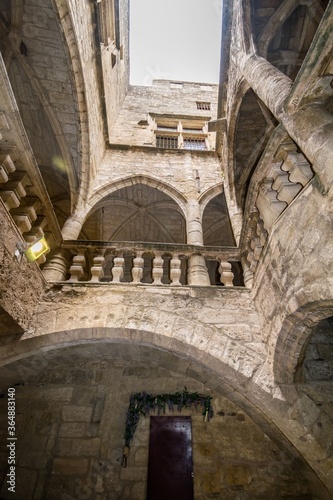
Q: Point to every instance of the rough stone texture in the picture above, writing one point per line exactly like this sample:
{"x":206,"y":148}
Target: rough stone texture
{"x":195,"y":318}
{"x":231,"y":454}
{"x":162,"y":98}
{"x":287,"y":290}
{"x":18,"y":300}
{"x":167,"y":170}
{"x":248,"y":347}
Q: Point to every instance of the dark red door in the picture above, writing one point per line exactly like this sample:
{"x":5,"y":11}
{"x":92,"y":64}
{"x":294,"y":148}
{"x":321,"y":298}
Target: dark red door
{"x":170,"y":466}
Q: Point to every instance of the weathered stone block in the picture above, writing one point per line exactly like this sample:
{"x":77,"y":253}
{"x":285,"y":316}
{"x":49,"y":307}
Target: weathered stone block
{"x":238,"y":475}
{"x":70,"y":466}
{"x":77,"y":413}
{"x":78,"y":447}
{"x":75,"y":429}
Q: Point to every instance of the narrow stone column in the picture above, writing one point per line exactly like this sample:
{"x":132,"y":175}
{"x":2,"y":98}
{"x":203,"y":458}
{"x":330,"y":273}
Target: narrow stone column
{"x":97,"y":268}
{"x":118,"y":269}
{"x":175,"y":270}
{"x":197,"y":273}
{"x":310,"y":127}
{"x":77,"y":268}
{"x":157,"y":269}
{"x":137,"y":270}
{"x":194,"y":224}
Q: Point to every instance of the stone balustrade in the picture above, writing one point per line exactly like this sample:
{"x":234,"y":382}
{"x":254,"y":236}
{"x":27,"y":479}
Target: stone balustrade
{"x":149,"y":263}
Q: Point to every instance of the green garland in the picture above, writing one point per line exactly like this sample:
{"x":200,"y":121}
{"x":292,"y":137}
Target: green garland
{"x":142,"y":403}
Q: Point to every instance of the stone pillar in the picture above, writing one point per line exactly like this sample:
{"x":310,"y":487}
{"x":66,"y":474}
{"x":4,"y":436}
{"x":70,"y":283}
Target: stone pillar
{"x":55,"y":269}
{"x":72,"y":227}
{"x":311,"y":127}
{"x":194,"y":224}
{"x":197,"y":273}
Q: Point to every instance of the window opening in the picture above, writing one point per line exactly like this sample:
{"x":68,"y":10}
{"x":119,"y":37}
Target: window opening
{"x":164,"y":141}
{"x":203,"y":105}
{"x":176,"y":85}
{"x":167,"y":128}
{"x":194,"y":144}
{"x":192,"y":130}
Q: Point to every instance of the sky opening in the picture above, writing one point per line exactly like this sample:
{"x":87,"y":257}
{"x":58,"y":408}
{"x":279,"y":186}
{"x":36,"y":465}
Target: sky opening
{"x":175,"y":40}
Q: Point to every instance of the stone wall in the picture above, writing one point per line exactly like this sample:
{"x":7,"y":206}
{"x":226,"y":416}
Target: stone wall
{"x":70,"y":423}
{"x":205,"y":322}
{"x":115,"y":65}
{"x":133,"y":125}
{"x":189,"y":173}
{"x":293,"y":281}
{"x":18,"y":298}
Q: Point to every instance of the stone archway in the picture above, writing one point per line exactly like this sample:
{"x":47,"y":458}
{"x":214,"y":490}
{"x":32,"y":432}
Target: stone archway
{"x":137,"y":212}
{"x":76,"y":385}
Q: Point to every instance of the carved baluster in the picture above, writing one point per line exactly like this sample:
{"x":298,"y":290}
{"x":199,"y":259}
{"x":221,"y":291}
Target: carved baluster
{"x":157,"y":269}
{"x":77,"y":268}
{"x":137,"y":270}
{"x":175,"y":271}
{"x":118,"y":269}
{"x":227,"y":275}
{"x":97,"y":267}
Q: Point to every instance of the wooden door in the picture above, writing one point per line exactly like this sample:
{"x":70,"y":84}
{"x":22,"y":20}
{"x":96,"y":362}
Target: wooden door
{"x":170,"y":466}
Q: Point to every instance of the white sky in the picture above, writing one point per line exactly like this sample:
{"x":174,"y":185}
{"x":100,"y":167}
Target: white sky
{"x":175,"y":39}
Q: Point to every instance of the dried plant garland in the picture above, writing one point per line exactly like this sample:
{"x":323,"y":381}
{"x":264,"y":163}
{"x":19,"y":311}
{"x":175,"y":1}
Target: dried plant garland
{"x":142,"y":403}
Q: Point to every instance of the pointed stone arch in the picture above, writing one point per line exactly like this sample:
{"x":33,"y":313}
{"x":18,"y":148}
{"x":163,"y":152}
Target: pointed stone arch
{"x":153,"y":182}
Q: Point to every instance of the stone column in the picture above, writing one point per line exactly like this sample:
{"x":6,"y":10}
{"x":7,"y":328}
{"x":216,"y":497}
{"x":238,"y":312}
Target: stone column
{"x":310,"y":127}
{"x":197,"y":273}
{"x":72,"y":227}
{"x":194,"y":224}
{"x":55,"y":269}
